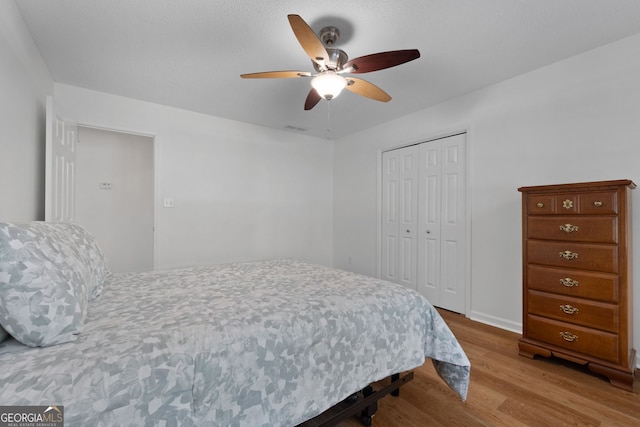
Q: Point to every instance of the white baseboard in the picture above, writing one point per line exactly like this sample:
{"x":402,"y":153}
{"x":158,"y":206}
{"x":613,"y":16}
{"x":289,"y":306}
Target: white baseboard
{"x":496,"y":321}
{"x":510,"y":326}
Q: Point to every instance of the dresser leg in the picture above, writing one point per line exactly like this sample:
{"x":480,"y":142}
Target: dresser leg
{"x":620,"y":379}
{"x":529,"y":350}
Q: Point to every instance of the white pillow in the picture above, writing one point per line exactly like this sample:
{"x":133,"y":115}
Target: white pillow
{"x":48,"y":272}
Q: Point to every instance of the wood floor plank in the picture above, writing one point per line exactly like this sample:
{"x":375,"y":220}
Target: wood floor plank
{"x":569,"y":388}
{"x":507,"y":389}
{"x":525,"y":404}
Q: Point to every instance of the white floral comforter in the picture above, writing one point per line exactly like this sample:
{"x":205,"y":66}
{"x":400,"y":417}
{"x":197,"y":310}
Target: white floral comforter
{"x":269,"y":343}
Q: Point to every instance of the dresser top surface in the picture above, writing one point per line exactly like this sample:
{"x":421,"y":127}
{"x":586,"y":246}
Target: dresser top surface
{"x":580,"y":186}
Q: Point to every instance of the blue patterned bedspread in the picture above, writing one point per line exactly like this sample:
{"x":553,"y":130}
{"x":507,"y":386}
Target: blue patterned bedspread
{"x":270,"y":343}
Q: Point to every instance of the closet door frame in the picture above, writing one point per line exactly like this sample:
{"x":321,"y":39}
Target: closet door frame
{"x":468,"y":148}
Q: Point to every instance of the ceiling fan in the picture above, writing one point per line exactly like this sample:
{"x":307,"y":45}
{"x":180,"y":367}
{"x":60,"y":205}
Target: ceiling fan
{"x":331,"y":63}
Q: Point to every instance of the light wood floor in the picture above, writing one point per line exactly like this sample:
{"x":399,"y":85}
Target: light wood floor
{"x":507,"y":390}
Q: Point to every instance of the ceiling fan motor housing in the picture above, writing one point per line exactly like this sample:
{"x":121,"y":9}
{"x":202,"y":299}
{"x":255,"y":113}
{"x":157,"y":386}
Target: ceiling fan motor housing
{"x":337,"y":58}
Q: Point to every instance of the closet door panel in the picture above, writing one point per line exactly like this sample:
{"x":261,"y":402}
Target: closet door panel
{"x":389,"y":266}
{"x":399,"y":216}
{"x":453,"y":228}
{"x":430,"y":217}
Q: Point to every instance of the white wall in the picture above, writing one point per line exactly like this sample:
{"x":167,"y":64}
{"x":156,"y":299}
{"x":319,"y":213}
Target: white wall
{"x":577,"y":120}
{"x":24,"y":84}
{"x":241,"y":192}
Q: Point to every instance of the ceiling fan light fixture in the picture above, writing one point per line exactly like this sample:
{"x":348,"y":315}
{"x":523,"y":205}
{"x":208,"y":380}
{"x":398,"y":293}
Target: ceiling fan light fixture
{"x":328,"y":84}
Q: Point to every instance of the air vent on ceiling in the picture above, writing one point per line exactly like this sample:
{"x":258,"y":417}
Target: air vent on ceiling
{"x":296,"y":128}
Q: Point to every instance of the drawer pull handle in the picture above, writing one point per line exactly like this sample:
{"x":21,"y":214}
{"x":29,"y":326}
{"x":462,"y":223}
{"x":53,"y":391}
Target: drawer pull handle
{"x":540,"y":204}
{"x":568,"y":228}
{"x":568,"y":309}
{"x":569,"y":255}
{"x":597,"y":203}
{"x":569,"y":282}
{"x":567,"y":204}
{"x":568,"y":336}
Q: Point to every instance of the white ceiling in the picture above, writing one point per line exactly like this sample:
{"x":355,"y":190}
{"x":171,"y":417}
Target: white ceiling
{"x":190,"y":53}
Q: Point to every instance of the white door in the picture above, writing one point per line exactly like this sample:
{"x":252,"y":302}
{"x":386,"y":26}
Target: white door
{"x":60,"y":154}
{"x":400,"y":215}
{"x":429,"y":249}
{"x":424,"y":220}
{"x":442,"y":227}
{"x":390,"y":227}
{"x":115,"y":195}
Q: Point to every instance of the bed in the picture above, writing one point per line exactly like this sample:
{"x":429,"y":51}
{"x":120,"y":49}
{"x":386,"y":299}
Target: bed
{"x":266,"y":343}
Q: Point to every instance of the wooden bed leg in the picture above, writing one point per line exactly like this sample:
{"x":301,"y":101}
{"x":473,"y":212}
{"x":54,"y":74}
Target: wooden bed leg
{"x":396,"y":392}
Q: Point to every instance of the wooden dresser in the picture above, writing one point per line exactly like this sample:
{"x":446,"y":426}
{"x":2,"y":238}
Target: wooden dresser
{"x":577,"y":282}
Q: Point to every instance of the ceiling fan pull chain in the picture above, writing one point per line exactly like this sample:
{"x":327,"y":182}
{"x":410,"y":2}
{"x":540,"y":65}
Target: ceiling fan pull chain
{"x":329,"y":119}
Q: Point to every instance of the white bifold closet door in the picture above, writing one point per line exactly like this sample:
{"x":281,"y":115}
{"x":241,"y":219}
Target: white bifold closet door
{"x":424,"y":220}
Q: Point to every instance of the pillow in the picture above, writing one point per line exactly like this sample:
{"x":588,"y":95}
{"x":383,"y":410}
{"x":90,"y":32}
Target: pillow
{"x":93,"y":259}
{"x":48,"y":272}
{"x":3,"y":334}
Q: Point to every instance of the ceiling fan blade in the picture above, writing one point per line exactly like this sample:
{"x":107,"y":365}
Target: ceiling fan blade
{"x":276,"y":75}
{"x":312,"y":99}
{"x":308,"y":40}
{"x":380,"y":61}
{"x":369,"y":90}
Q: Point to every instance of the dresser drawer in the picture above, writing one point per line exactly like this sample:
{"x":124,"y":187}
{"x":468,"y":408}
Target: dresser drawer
{"x":603,"y":345}
{"x":567,"y":204}
{"x":541,"y":204}
{"x":583,"y":256}
{"x":575,"y":283}
{"x":602,"y":229}
{"x":599,"y":203}
{"x":578,"y":311}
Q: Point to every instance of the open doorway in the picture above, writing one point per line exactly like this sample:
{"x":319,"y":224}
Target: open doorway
{"x":114,"y":197}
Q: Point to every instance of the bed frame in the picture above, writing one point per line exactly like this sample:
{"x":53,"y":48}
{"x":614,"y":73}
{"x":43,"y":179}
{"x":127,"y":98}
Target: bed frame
{"x":364,"y":402}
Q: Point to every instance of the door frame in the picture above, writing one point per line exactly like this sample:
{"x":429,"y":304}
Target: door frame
{"x":54,"y":107}
{"x":154,"y":163}
{"x":452,"y":132}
